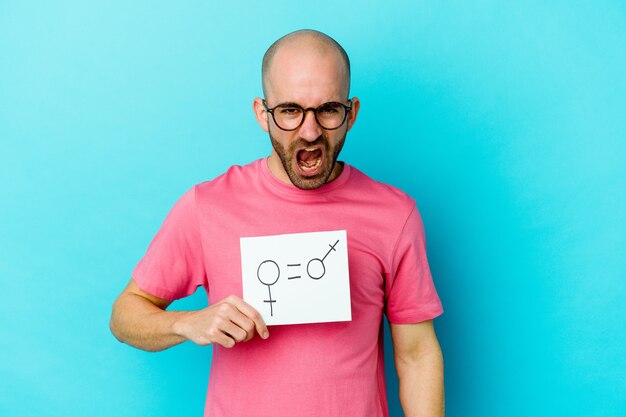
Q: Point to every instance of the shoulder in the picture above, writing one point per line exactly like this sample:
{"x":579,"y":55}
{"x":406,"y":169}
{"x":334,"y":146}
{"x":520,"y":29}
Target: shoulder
{"x":385,"y":195}
{"x":237,"y":176}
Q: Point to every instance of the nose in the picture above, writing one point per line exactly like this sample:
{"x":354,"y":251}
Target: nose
{"x":310,"y":130}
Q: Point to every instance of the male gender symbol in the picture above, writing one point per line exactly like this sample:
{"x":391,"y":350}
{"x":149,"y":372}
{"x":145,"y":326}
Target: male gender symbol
{"x":268,"y":273}
{"x":315,"y":268}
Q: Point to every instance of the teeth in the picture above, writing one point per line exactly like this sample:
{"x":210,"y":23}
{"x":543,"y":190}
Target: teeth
{"x":306,"y":168}
{"x":312,"y":168}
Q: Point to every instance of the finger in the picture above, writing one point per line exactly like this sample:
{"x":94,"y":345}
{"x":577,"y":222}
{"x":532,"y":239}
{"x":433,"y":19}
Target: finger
{"x":252,"y":314}
{"x":245,"y":323}
{"x":224,"y":340}
{"x":227,"y":312}
{"x":235,"y":332}
{"x":216,"y":335}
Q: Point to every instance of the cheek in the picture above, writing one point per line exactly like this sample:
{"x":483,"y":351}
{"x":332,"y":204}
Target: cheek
{"x":336,"y":139}
{"x":285,"y":140}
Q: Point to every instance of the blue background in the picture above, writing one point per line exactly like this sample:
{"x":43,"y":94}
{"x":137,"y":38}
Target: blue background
{"x":504,"y":120}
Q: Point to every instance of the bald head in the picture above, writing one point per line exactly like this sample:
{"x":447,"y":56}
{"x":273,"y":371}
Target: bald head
{"x":305,"y":42}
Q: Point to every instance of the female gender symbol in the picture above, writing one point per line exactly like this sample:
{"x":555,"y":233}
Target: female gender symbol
{"x":268,"y":273}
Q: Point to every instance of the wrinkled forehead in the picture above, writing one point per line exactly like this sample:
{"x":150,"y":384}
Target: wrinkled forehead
{"x":306,"y":72}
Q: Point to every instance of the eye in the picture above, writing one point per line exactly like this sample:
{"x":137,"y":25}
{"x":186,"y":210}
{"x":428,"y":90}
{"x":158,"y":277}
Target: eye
{"x":329,"y":108}
{"x":289,"y":111}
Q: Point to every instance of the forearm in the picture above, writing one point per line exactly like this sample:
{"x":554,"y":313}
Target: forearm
{"x":139,"y":323}
{"x":421,"y":384}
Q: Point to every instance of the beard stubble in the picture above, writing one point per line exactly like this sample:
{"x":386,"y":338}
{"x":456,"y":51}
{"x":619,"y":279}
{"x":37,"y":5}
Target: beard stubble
{"x":287,"y":159}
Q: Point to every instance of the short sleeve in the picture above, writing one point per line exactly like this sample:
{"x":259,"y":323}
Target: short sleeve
{"x":409,"y":288}
{"x":173,"y":266}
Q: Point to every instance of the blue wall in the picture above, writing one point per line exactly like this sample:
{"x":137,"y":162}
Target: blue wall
{"x":504,"y":120}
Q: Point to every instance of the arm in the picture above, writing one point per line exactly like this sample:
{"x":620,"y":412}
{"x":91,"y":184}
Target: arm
{"x":141,"y":320}
{"x":419,"y":364}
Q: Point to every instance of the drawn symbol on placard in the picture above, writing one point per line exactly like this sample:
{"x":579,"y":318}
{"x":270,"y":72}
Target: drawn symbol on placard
{"x":295,"y":276}
{"x":315,"y":268}
{"x":268,"y":273}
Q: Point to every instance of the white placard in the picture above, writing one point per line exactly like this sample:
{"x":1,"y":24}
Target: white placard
{"x":297,"y":278}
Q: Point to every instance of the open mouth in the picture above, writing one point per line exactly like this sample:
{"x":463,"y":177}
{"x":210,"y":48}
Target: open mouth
{"x":309,"y":159}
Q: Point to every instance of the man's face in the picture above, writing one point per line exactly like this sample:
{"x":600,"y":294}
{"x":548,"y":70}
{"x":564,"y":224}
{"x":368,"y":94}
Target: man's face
{"x":307,"y":156}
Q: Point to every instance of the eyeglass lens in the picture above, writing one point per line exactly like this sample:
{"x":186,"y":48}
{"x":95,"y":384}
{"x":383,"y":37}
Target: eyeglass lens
{"x":328,"y":115}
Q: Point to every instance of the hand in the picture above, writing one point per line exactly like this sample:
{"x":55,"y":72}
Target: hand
{"x":227,"y":322}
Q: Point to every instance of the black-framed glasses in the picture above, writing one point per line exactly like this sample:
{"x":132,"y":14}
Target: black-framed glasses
{"x":290,"y":116}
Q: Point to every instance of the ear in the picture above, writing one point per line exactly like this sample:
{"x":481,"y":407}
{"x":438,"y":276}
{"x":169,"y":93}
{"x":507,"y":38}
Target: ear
{"x":260,"y":113}
{"x":356,"y":105}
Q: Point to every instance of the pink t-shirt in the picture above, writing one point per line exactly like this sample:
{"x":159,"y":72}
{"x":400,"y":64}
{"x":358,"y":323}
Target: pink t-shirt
{"x":325,"y":369}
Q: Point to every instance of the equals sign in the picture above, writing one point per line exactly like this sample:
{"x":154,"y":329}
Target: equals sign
{"x":294,"y":277}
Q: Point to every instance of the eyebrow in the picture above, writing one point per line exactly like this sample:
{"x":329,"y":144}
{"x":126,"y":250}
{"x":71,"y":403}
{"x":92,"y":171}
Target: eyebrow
{"x":292,"y":104}
{"x":289,"y":103}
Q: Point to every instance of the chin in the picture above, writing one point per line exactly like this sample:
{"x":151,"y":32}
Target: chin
{"x":308,"y":183}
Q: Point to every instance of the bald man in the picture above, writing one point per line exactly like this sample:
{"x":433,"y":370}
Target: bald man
{"x":321,"y":369}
